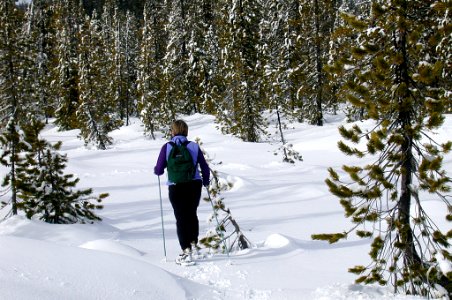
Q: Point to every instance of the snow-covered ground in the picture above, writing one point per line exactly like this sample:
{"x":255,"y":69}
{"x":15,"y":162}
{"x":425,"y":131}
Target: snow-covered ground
{"x":277,"y":205}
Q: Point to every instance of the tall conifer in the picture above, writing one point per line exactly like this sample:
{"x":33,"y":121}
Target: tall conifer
{"x":176,"y":98}
{"x":398,"y":78}
{"x":151,"y":85}
{"x":123,"y":30}
{"x":241,"y":111}
{"x":15,"y":93}
{"x":39,"y":33}
{"x":317,"y":24}
{"x":68,"y":19}
{"x":96,"y":112}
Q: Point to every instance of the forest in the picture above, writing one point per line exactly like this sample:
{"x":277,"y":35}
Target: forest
{"x":179,"y":57}
{"x":92,"y":65}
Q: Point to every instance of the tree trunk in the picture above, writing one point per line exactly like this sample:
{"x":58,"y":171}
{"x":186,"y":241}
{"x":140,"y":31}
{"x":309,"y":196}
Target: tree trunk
{"x":286,"y":158}
{"x":13,"y":181}
{"x":319,"y":66}
{"x":410,"y":255}
{"x":406,"y":233}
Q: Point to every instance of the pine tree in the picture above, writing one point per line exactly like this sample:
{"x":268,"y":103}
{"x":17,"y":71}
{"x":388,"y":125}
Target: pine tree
{"x":176,"y":61}
{"x":96,"y":112}
{"x":65,"y":73}
{"x":227,"y":233}
{"x":212,"y":83}
{"x":241,"y":110}
{"x":317,"y":25}
{"x":15,"y":94}
{"x":150,"y":83}
{"x":12,"y":145}
{"x":131,"y":58}
{"x":39,"y":34}
{"x":196,"y":72}
{"x":276,"y":69}
{"x":208,"y":60}
{"x":342,"y":42}
{"x":293,"y":46}
{"x":201,"y":49}
{"x":124,"y":55}
{"x":398,"y":79}
{"x":45,"y":191}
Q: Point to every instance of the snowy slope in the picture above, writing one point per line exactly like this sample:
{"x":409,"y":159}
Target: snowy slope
{"x":277,"y":205}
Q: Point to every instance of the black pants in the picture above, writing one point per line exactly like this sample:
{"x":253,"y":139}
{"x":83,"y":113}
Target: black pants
{"x":184,"y":198}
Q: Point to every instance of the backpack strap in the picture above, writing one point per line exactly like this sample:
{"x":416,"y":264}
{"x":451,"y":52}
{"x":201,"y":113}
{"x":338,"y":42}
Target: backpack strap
{"x":194,"y":149}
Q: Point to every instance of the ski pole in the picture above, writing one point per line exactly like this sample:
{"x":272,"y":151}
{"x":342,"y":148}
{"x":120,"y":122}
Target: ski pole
{"x":161,"y":214}
{"x":218,"y":223}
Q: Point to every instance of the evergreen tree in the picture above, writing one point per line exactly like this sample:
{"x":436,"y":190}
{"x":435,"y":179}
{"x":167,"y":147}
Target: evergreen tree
{"x":46,"y":192}
{"x":317,"y":25}
{"x":124,"y":55}
{"x":39,"y":34}
{"x":210,"y":66}
{"x":276,"y":69}
{"x":12,"y":145}
{"x":242,"y":106}
{"x":402,"y":87}
{"x":342,"y":41}
{"x":293,"y":55}
{"x":219,"y":36}
{"x":227,"y":233}
{"x":176,"y":99}
{"x":196,"y":32}
{"x":15,"y":93}
{"x":65,"y":73}
{"x":151,"y":85}
{"x":131,"y":57}
{"x":96,"y":112}
{"x":202,"y":54}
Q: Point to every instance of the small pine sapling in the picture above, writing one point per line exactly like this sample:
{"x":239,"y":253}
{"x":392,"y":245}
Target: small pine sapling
{"x":53,"y":198}
{"x":290,"y":154}
{"x":227,"y":232}
{"x":45,"y":192}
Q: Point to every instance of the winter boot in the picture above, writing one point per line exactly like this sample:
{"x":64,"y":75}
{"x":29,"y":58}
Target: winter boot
{"x":185,"y":258}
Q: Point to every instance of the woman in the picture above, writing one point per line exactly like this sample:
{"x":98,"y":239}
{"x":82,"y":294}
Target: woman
{"x":185,"y":196}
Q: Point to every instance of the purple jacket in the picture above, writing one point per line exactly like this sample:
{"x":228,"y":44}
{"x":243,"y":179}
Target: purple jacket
{"x":196,"y":154}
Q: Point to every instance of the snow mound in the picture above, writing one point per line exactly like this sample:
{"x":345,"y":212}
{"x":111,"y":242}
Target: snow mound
{"x":49,"y":271}
{"x":277,"y":241}
{"x":112,"y":247}
{"x":66,"y":234}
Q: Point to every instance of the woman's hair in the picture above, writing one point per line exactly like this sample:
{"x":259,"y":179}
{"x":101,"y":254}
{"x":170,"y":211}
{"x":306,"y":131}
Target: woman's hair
{"x":179,"y":127}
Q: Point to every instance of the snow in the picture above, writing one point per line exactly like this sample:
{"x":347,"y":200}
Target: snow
{"x":444,"y":265}
{"x":277,"y":205}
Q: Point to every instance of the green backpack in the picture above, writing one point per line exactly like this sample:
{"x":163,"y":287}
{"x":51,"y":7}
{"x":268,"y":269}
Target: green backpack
{"x":180,"y":164}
